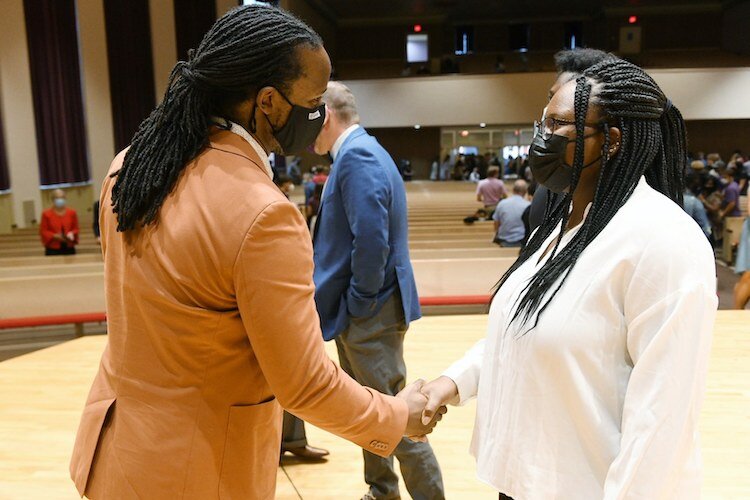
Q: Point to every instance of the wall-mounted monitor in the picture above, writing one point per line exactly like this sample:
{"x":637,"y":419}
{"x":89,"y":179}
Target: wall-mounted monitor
{"x":417,"y":48}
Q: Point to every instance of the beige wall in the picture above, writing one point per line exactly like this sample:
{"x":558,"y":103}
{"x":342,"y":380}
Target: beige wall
{"x":18,"y":109}
{"x":6,"y":213}
{"x":701,"y":94}
{"x":96,"y":96}
{"x":163,"y":43}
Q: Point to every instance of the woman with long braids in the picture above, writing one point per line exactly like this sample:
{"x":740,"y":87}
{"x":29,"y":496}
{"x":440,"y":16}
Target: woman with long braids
{"x":591,"y":377}
{"x":212,"y":325}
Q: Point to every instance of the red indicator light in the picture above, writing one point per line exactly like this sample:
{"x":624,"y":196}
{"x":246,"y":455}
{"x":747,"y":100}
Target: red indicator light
{"x":417,"y":28}
{"x":633,"y":19}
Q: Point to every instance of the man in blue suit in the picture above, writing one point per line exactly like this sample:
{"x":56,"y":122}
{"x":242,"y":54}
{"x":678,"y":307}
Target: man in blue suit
{"x":365,"y":290}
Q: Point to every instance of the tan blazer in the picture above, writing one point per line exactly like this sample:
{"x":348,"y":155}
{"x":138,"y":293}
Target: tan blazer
{"x":212,"y":329}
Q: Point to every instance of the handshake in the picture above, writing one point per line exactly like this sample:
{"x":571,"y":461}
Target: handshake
{"x":426,"y":403}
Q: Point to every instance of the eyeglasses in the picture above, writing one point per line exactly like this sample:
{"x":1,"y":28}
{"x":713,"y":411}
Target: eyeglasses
{"x":548,"y":125}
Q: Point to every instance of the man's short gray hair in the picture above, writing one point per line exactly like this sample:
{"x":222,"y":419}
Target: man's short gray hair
{"x":341,"y":101}
{"x":520,"y":187}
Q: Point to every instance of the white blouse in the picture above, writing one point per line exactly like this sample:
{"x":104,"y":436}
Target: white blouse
{"x":602,"y":398}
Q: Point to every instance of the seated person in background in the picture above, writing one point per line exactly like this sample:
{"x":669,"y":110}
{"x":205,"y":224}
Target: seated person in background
{"x":693,"y":205}
{"x":509,"y":227}
{"x":474,"y":175}
{"x":731,"y":205}
{"x":320,"y":175}
{"x":742,"y":267}
{"x":59,"y":227}
{"x":712,"y":199}
{"x":491,"y":190}
{"x":285,"y":184}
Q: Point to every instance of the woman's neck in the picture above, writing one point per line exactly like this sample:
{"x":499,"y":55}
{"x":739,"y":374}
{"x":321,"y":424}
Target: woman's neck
{"x":581,"y":199}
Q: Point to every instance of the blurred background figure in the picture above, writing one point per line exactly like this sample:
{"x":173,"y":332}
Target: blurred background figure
{"x":510,"y":230}
{"x":491,"y":190}
{"x":59,"y":227}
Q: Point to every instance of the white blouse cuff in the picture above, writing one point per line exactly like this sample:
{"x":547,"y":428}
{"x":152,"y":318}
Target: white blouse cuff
{"x":466,"y":377}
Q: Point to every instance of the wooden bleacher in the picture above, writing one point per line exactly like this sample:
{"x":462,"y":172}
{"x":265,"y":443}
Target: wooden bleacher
{"x":449,"y":258}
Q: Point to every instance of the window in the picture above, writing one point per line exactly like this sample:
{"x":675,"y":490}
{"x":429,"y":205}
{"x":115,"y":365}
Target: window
{"x":573,"y":35}
{"x":416,"y":48}
{"x":275,"y":3}
{"x":464,"y":40}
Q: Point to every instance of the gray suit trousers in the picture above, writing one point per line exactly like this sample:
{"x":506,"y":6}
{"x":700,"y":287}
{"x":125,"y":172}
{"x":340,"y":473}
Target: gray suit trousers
{"x":371,"y":350}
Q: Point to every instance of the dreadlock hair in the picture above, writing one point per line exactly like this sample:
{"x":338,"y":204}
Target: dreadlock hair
{"x":652,"y":144}
{"x":247,"y":49}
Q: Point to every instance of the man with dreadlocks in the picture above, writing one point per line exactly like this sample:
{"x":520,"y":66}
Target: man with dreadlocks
{"x":208,"y":277}
{"x":591,"y":377}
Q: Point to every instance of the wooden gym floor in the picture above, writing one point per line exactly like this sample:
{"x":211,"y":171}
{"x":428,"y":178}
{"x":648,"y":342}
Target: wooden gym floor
{"x":42,"y":394}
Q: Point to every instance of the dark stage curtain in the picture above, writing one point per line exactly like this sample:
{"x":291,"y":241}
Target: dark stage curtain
{"x":56,"y":88}
{"x":192,"y":19}
{"x":131,"y":69}
{"x":4,"y":177}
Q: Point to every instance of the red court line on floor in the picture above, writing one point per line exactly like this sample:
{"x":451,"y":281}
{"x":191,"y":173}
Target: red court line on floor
{"x":67,"y":319}
{"x":60,"y":319}
{"x":459,"y":300}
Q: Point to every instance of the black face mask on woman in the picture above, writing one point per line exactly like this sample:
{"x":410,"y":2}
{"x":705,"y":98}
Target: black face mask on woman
{"x":301,"y":128}
{"x":547,"y":162}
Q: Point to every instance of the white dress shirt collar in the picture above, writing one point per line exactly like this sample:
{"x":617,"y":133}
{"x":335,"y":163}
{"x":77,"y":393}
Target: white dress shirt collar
{"x":240,"y":130}
{"x":340,"y":141}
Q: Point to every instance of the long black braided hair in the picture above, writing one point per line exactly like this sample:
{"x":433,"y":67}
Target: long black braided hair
{"x":247,"y":49}
{"x":653,"y":144}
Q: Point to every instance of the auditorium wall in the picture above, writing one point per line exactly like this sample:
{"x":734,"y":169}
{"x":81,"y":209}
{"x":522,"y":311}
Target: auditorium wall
{"x":713,"y":99}
{"x":18,"y":109}
{"x":163,"y":43}
{"x":719,"y":136}
{"x":420,"y":147}
{"x":462,"y":100}
{"x":96,"y":99}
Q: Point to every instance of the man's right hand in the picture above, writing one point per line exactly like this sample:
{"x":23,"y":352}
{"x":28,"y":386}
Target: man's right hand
{"x":416,"y":400}
{"x":439,"y":392}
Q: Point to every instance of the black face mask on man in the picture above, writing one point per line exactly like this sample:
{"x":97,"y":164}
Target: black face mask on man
{"x":547,"y":162}
{"x":301,"y":127}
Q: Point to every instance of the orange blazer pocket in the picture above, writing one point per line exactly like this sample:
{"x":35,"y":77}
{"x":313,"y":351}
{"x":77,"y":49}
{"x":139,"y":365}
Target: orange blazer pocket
{"x":251,"y":452}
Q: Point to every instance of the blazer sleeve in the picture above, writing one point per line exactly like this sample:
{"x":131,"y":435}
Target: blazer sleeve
{"x":366,"y":198}
{"x":273,"y":277}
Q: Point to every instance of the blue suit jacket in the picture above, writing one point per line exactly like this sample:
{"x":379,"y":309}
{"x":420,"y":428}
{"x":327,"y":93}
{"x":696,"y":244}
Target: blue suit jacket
{"x":361,"y":237}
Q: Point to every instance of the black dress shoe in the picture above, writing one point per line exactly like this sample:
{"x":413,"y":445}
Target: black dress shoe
{"x":308,"y":453}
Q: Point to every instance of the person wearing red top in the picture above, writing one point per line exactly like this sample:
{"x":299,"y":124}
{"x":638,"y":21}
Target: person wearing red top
{"x":59,"y":228}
